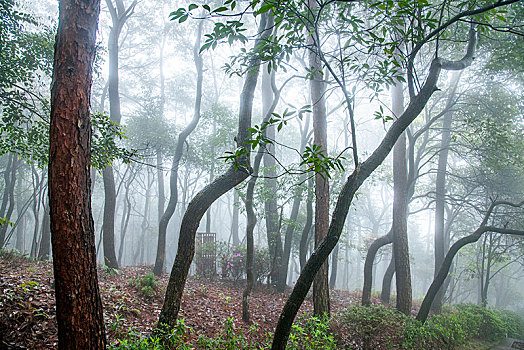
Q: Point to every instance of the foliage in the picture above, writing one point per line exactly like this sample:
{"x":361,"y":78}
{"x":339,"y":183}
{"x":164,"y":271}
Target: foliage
{"x":492,"y":324}
{"x":233,"y":262}
{"x":25,"y":65}
{"x":176,"y":338}
{"x":230,"y":338}
{"x":11,"y":254}
{"x":146,"y":285}
{"x":381,"y":327}
{"x":311,"y":333}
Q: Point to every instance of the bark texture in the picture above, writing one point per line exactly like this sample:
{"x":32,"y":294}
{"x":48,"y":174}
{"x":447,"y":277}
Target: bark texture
{"x":78,"y":304}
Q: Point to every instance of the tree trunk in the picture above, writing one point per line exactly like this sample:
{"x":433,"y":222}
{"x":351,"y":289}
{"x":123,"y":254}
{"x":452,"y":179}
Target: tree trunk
{"x":173,"y":180}
{"x":334,"y":268}
{"x":79,"y":313}
{"x":37,"y":198}
{"x":352,"y":184}
{"x":160,"y":179}
{"x":20,"y":209}
{"x":317,"y":90}
{"x":234,"y":221}
{"x":385,"y":293}
{"x":108,"y":225}
{"x":8,"y":199}
{"x":237,"y":173}
{"x":368,"y":265}
{"x":448,"y":260}
{"x":126,"y":214}
{"x":440,"y":190}
{"x":400,"y":210}
{"x":119,"y":16}
{"x":270,"y":184}
{"x":290,"y":230}
{"x":251,"y":217}
{"x":307,"y":227}
{"x":45,"y":240}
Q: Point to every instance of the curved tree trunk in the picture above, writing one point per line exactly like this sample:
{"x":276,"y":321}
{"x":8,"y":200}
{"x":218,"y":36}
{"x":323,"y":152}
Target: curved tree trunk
{"x":251,"y":217}
{"x":352,"y":184}
{"x":448,"y":260}
{"x":237,"y":173}
{"x":173,"y":180}
{"x":79,"y":313}
{"x":119,"y":16}
{"x":368,"y":265}
{"x":385,"y":293}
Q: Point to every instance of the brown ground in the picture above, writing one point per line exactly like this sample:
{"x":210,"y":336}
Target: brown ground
{"x":27,"y":304}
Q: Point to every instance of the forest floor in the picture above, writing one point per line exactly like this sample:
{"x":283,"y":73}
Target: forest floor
{"x":27,"y":304}
{"x":28,"y":319}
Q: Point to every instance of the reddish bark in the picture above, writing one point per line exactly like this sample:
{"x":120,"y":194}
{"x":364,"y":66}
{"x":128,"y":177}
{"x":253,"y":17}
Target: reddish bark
{"x":79,"y":308}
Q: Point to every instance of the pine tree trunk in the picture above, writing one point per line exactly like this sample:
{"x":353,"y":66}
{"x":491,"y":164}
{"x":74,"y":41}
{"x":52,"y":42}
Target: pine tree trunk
{"x":78,"y":305}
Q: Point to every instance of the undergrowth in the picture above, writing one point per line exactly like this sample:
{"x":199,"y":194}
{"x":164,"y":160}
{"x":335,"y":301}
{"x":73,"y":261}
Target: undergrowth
{"x":374,"y":327}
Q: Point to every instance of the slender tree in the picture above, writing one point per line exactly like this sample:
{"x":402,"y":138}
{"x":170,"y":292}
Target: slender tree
{"x":173,"y":180}
{"x":119,"y":16}
{"x":196,"y":209}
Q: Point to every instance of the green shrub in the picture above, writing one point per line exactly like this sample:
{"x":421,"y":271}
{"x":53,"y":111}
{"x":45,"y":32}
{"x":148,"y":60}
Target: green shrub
{"x":513,"y":324}
{"x":177,"y":338}
{"x":229,"y":338}
{"x":371,"y":327}
{"x":311,"y":333}
{"x":486,"y":321}
{"x":146,"y":285}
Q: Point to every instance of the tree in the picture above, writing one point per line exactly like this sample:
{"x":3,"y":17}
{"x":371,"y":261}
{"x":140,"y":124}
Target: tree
{"x":448,"y":259}
{"x":424,"y":29}
{"x":440,"y":191}
{"x":173,"y":180}
{"x":235,"y":174}
{"x":119,"y":16}
{"x":321,"y":303}
{"x":399,"y":228}
{"x":79,"y":308}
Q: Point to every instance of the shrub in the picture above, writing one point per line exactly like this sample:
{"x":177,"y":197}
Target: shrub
{"x":311,"y":333}
{"x":146,"y":285}
{"x":177,"y":338}
{"x":486,"y":321}
{"x":233,"y":262}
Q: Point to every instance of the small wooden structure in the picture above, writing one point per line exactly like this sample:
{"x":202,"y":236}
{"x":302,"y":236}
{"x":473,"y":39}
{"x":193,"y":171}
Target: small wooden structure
{"x":206,"y":254}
